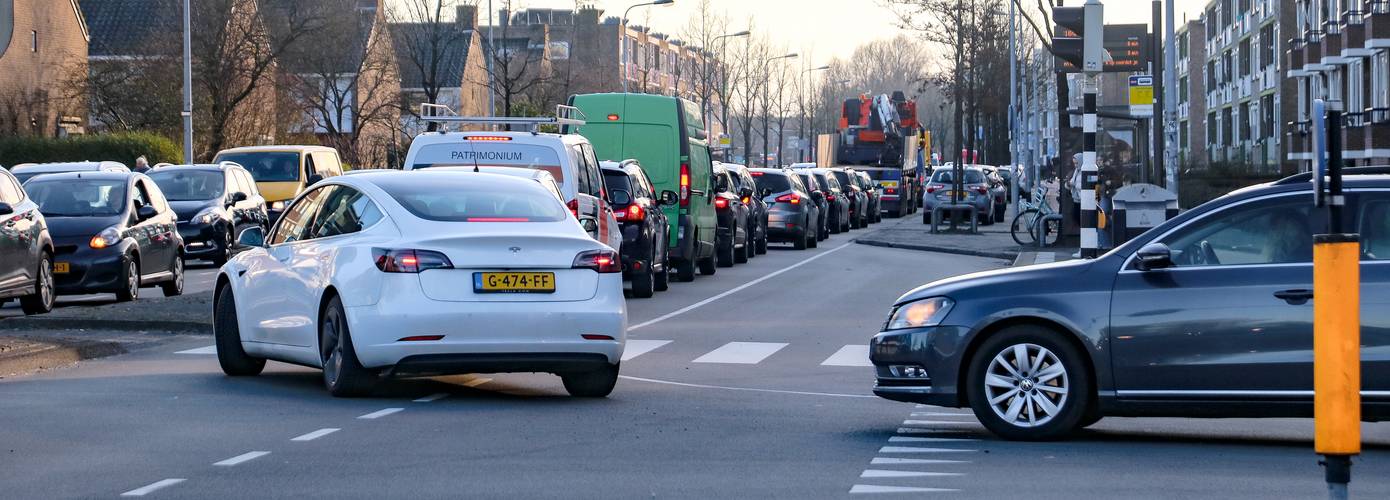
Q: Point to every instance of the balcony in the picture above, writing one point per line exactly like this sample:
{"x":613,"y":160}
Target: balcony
{"x":1332,"y":43}
{"x":1375,"y":135}
{"x":1354,"y":34}
{"x":1377,"y":26}
{"x":1312,"y":52}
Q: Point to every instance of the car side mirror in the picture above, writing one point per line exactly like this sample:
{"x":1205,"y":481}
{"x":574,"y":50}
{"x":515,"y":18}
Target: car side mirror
{"x":745,"y":192}
{"x":146,"y":212}
{"x":590,"y":225}
{"x":6,"y":208}
{"x":669,"y":197}
{"x":766,"y":193}
{"x":1154,"y":256}
{"x":251,"y":237}
{"x":620,"y":197}
{"x":238,"y":197}
{"x":314,"y":179}
{"x":818,"y":195}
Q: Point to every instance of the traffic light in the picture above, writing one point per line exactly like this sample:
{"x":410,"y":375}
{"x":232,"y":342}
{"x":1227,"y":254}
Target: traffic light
{"x":1079,"y":36}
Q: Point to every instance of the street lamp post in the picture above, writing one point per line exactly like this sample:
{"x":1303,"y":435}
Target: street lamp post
{"x":187,"y":83}
{"x":766,"y":89}
{"x":622,"y":38}
{"x":801,"y":152}
{"x":723,"y":84}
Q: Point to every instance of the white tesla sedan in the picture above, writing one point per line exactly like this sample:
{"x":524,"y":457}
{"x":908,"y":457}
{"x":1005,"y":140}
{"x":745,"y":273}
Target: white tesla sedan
{"x":378,"y":275}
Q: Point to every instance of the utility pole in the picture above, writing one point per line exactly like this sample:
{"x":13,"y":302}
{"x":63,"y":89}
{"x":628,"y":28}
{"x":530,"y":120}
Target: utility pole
{"x":187,"y":82}
{"x":1151,"y":173}
{"x":492,"y":47}
{"x":1013,"y":106}
{"x":1085,"y":50}
{"x":1170,"y":104}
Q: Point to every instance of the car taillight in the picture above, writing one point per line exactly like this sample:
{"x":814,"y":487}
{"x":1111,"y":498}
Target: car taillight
{"x":685,"y":185}
{"x":721,"y":203}
{"x":747,"y":200}
{"x":890,"y":190}
{"x":932,"y":188}
{"x":574,"y":207}
{"x":756,"y":174}
{"x":633,"y":213}
{"x":602,"y":261}
{"x":792,"y":198}
{"x":829,"y":197}
{"x":409,"y":261}
{"x":980,"y":189}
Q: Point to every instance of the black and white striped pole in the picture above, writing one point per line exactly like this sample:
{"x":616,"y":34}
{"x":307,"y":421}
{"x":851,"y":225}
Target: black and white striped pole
{"x":1080,"y":41}
{"x":1090,"y":173}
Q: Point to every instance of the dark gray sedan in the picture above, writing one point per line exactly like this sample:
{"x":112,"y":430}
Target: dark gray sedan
{"x":1207,"y":315}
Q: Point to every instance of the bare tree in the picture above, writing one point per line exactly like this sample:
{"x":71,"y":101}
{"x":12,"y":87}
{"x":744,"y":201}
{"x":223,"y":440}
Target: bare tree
{"x":745,"y":76}
{"x":704,"y":33}
{"x":428,"y":44}
{"x":517,"y":70}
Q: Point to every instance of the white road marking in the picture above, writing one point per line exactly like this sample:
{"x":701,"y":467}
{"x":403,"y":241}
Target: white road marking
{"x":244,"y":457}
{"x":212,"y":349}
{"x":638,"y":347}
{"x":925,"y":430}
{"x":939,"y":414}
{"x":150,"y":488}
{"x":874,"y":473}
{"x":734,"y":290}
{"x":914,"y":449}
{"x":850,"y":355}
{"x":741,"y":353}
{"x":1044,"y":258}
{"x":748,"y":389}
{"x":935,"y":422}
{"x":913,"y":461}
{"x":477,"y":382}
{"x":433,"y":397}
{"x":870,"y":488}
{"x":905,"y":439}
{"x":379,"y":413}
{"x":316,"y":434}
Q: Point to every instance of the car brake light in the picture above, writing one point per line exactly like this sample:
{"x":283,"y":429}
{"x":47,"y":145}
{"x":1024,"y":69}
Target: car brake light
{"x":409,"y":261}
{"x":890,"y":190}
{"x":756,"y":174}
{"x":602,"y":261}
{"x":574,"y":207}
{"x":489,"y":138}
{"x":932,"y":188}
{"x":635,"y":212}
{"x":747,"y":200}
{"x":685,"y":185}
{"x":792,"y":198}
{"x":721,"y":203}
{"x":980,"y":189}
{"x":830,"y":197}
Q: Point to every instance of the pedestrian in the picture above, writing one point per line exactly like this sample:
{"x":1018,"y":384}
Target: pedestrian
{"x":142,"y":165}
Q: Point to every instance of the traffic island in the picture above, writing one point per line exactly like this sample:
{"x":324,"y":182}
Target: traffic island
{"x":28,"y":353}
{"x":992,"y":241}
{"x":186,"y":314}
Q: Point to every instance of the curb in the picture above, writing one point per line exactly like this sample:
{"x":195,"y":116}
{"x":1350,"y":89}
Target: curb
{"x":41,"y":323}
{"x":38,"y":355}
{"x":1009,"y":256}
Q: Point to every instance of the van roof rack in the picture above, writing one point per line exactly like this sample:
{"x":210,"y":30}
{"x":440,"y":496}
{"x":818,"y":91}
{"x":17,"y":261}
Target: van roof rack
{"x":564,"y":116}
{"x":1308,"y":176}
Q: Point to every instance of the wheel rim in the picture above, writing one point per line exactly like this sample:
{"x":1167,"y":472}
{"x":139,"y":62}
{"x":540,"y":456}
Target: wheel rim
{"x":46,"y":284}
{"x":132,"y":279}
{"x":1026,"y":385}
{"x":332,"y":340}
{"x":178,"y":273}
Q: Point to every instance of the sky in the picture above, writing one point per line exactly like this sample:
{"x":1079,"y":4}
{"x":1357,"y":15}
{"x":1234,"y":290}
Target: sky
{"x":819,"y":29}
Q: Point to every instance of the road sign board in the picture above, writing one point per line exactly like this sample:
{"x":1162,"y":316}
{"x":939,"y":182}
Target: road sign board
{"x":1141,"y":96}
{"x":1128,"y":45}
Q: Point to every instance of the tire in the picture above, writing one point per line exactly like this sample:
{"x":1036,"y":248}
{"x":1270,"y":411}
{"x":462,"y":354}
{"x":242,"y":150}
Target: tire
{"x":174,"y":287}
{"x":1019,"y":229}
{"x":762,"y":245}
{"x":1000,"y":212}
{"x":131,"y":277}
{"x":226,"y":253}
{"x":595,"y":384}
{"x":644,"y":283}
{"x":41,"y":301}
{"x":836,"y":227}
{"x":813,"y":242}
{"x":725,"y":254}
{"x":661,"y":281}
{"x":1044,"y":352}
{"x":707,"y":266}
{"x":685,"y":271}
{"x":741,"y":256}
{"x":343,"y":375}
{"x":926,"y":218}
{"x":226,"y":331}
{"x":802,"y":240}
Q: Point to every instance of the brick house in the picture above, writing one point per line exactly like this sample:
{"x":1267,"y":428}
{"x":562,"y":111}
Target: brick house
{"x":43,"y":47}
{"x":446,"y":59}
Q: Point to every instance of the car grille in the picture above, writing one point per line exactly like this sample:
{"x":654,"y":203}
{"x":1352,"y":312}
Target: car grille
{"x":64,"y":249}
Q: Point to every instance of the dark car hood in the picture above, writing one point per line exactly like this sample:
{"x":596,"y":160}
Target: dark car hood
{"x":1005,"y":281}
{"x":66,"y":227}
{"x":187,"y":209}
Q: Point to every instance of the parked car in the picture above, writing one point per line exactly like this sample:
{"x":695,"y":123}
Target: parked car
{"x":666,"y":135}
{"x":112,"y":233}
{"x":839,"y":203}
{"x":538,"y":293}
{"x":213,"y":204}
{"x":735,"y":238}
{"x":569,"y":158}
{"x":1206,"y":315}
{"x":976,"y":192}
{"x":858,"y":199}
{"x":643,"y":225}
{"x":875,"y":193}
{"x":282,"y":172}
{"x":792,"y":214}
{"x":817,"y":193}
{"x":26,"y":249}
{"x":998,"y":191}
{"x":757,"y":207}
{"x":25,"y":171}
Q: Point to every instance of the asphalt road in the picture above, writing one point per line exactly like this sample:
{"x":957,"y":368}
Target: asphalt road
{"x":199,"y":276}
{"x":734,"y":389}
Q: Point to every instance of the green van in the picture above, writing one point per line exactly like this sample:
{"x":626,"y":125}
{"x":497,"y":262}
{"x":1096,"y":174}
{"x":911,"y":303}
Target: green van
{"x":667,"y":136}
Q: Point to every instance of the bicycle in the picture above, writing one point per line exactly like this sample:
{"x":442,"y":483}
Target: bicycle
{"x":1037,"y":221}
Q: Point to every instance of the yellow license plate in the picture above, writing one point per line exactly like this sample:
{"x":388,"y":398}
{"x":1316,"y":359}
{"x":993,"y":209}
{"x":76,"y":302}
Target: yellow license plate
{"x":514,"y":282}
{"x":60,"y":268}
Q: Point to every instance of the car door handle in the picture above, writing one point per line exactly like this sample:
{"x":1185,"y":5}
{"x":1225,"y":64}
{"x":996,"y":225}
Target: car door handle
{"x":1296,"y":297}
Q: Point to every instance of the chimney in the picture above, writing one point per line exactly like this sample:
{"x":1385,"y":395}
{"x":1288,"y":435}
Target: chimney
{"x":467,"y":17}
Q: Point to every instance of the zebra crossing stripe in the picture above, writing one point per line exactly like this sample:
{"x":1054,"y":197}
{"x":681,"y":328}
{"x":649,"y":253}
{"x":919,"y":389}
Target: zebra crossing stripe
{"x":638,"y":347}
{"x":743,"y":353}
{"x":850,"y":355}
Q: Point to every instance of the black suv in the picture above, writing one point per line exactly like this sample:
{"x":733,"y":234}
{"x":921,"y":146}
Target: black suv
{"x":637,"y":207}
{"x":817,"y":191}
{"x":839,"y":202}
{"x":26,"y":250}
{"x":734,"y":236}
{"x":214,"y":203}
{"x":858,"y":199}
{"x":793,"y":215}
{"x":112,"y":232}
{"x":757,"y":207}
{"x":875,"y":196}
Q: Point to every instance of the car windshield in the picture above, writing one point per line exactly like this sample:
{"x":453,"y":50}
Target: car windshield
{"x":78,"y":197}
{"x":472,"y":203}
{"x":266,"y":167}
{"x":946,"y":175}
{"x":773,"y":182}
{"x":189,"y":185}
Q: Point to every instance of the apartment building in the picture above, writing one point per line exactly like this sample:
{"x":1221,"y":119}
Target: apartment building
{"x":1340,"y":51}
{"x":1246,"y":94}
{"x":1192,"y":95}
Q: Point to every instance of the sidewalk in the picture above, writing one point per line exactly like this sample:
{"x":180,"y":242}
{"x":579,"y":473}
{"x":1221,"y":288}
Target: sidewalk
{"x":992,"y":241}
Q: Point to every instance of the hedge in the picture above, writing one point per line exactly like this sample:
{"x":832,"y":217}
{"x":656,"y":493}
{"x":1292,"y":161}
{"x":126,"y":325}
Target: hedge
{"x":121,"y":147}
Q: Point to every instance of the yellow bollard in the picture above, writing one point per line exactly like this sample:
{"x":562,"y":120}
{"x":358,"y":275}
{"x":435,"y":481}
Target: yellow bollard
{"x":1337,"y":344}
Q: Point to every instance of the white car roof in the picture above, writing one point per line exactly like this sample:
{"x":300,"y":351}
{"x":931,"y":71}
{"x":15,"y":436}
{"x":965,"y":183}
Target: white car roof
{"x":78,"y":166}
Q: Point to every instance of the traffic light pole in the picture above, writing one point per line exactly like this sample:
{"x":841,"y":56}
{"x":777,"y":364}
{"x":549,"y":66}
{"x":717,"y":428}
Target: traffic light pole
{"x":1090,"y":174}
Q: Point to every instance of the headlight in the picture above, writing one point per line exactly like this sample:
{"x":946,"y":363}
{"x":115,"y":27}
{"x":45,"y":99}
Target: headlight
{"x":207,"y":216}
{"x":925,"y":312}
{"x":277,"y":206}
{"x":107,"y":237}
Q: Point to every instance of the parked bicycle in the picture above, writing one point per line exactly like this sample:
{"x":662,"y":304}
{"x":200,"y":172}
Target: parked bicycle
{"x":1037,"y":220}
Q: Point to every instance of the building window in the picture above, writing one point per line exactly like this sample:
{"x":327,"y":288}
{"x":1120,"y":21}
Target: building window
{"x":1182,"y":90}
{"x":1334,"y":85}
{"x":1244,"y":118}
{"x":1380,"y":81}
{"x":1212,"y":126}
{"x":1245,"y":57}
{"x":1267,"y":127}
{"x":1304,"y":102}
{"x":33,"y":41}
{"x":1356,"y":101}
{"x":1268,"y":44}
{"x":1182,"y":135}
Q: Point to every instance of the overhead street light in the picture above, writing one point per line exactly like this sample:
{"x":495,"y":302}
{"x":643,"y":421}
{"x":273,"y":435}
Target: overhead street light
{"x":622,"y":38}
{"x":723,"y":81}
{"x":792,"y":55}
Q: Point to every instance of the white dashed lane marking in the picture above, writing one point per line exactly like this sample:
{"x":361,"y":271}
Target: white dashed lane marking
{"x":315,"y":435}
{"x":879,"y":473}
{"x":432,"y":397}
{"x":638,"y":347}
{"x":902,"y":439}
{"x":742,"y":353}
{"x":935,"y":422}
{"x":914,"y":449}
{"x":379,"y":413}
{"x":150,"y":488}
{"x":850,"y":355}
{"x":242,"y":458}
{"x":212,"y":349}
{"x":913,"y":461}
{"x":870,"y":488}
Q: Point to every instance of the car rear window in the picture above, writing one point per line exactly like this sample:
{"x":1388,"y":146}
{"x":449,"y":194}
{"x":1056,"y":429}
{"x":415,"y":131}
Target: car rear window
{"x":491,"y":154}
{"x":266,"y":166}
{"x":843,"y":177}
{"x":776,"y":183}
{"x":947,"y":175}
{"x":78,"y":197}
{"x":477,"y":202}
{"x":617,"y":181}
{"x":188,"y":185}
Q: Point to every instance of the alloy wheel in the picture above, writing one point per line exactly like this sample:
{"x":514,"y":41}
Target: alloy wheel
{"x":132,"y":278}
{"x":46,"y":284}
{"x":333,"y":346}
{"x":1026,"y":385}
